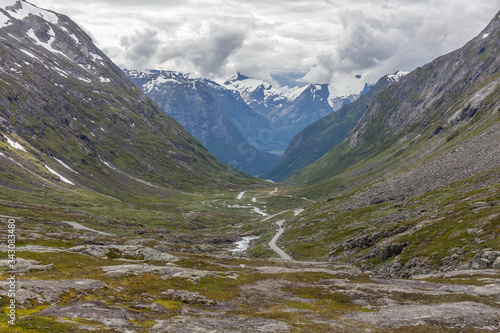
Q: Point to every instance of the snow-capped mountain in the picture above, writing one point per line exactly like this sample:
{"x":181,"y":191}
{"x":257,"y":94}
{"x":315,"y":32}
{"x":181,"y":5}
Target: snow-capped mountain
{"x":69,"y":117}
{"x":261,"y":96}
{"x":217,"y":117}
{"x":291,"y":111}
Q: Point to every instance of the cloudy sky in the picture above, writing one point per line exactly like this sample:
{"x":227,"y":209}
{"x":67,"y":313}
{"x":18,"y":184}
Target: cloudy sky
{"x":280,"y":41}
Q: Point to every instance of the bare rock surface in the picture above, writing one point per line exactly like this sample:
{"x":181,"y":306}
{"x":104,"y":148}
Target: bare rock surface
{"x":452,"y":274}
{"x":463,"y":314}
{"x":221,"y":324}
{"x":42,"y":292}
{"x":188,"y":297}
{"x":32,"y":248}
{"x":110,"y":316}
{"x":166,"y":272}
{"x":492,"y":289}
{"x":123,"y":251}
{"x":24,"y":265}
{"x":338,"y":270}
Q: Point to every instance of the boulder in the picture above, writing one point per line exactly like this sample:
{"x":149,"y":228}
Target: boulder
{"x":24,"y":265}
{"x":478,"y":264}
{"x":496,"y":264}
{"x":123,"y":251}
{"x":48,"y":292}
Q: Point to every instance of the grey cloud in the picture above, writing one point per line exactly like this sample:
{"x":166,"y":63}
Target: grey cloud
{"x":209,"y":52}
{"x":141,"y":47}
{"x":328,"y":39}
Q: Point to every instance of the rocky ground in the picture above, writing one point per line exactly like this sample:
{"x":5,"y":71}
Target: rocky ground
{"x":139,"y":285}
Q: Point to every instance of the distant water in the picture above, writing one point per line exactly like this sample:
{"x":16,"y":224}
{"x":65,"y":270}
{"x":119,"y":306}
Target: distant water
{"x":243,"y":244}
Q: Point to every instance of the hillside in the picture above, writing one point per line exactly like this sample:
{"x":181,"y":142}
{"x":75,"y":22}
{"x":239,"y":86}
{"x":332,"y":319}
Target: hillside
{"x":417,"y":178}
{"x":212,"y":114}
{"x":117,"y":220}
{"x":321,"y":136}
{"x":65,"y":107}
{"x":290,"y":111}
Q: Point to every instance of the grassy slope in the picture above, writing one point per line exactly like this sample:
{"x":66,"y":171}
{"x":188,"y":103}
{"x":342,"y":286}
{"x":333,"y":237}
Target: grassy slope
{"x":385,"y":152}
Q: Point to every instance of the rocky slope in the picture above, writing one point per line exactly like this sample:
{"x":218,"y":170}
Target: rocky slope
{"x":321,"y":136}
{"x":212,"y":114}
{"x":70,"y":117}
{"x":289,"y":111}
{"x":414,"y":187}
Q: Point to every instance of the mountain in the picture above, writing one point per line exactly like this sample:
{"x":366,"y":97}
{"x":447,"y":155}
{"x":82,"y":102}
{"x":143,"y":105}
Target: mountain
{"x":261,"y":96}
{"x":290,"y":111}
{"x":415,"y":186}
{"x":71,"y":120}
{"x":318,"y":138}
{"x":206,"y":110}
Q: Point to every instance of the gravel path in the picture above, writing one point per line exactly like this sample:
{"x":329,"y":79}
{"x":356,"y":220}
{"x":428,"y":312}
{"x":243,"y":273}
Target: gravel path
{"x":272,"y":243}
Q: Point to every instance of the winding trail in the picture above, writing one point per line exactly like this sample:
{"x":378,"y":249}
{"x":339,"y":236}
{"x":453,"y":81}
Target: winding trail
{"x":272,"y":243}
{"x":281,"y":229}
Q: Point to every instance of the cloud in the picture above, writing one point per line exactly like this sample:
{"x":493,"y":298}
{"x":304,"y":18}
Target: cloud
{"x":140,"y":47}
{"x":329,"y":40}
{"x":206,"y":47}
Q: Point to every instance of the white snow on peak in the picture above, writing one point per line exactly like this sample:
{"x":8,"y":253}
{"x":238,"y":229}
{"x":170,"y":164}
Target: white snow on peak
{"x":27,"y":9}
{"x":14,"y":144}
{"x":294,"y":93}
{"x":248,"y":84}
{"x":95,"y":57}
{"x":52,"y":171}
{"x":486,"y":35}
{"x":396,"y":77}
{"x":104,"y":79}
{"x":48,"y":44}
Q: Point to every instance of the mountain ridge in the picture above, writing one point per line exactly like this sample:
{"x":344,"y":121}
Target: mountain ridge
{"x":318,"y":138}
{"x":50,"y":71}
{"x":211,"y":114}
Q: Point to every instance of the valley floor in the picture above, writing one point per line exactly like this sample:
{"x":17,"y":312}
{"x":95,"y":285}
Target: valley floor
{"x":73,"y":277}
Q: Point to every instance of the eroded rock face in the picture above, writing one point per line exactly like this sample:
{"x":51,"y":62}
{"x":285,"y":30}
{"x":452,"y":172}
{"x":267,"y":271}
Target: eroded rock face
{"x":166,"y":272}
{"x":464,"y":314}
{"x":220,"y":324}
{"x":43,"y":292}
{"x":111,"y":316}
{"x":23,"y":265}
{"x":123,"y":251}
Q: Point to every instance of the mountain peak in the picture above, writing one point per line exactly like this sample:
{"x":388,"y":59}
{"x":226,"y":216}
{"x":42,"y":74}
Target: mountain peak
{"x":20,"y":9}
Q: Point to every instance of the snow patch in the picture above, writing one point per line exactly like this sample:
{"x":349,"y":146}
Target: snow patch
{"x":95,"y":57}
{"x":30,"y":54}
{"x":107,"y":164}
{"x":84,"y":79}
{"x":240,"y":195}
{"x":259,"y":211}
{"x":48,"y":44}
{"x":66,"y":180}
{"x":104,"y":79}
{"x":397,"y":76}
{"x":486,"y":35}
{"x":64,"y":165}
{"x":27,"y":9}
{"x":14,"y":144}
